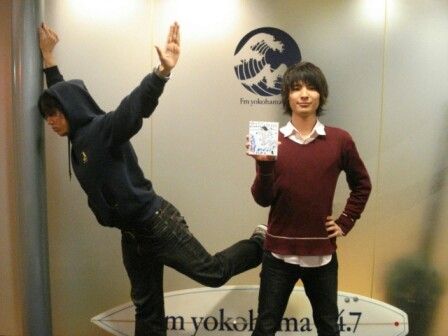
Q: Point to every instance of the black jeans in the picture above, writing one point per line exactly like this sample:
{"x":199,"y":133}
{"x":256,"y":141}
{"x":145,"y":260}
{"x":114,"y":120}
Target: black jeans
{"x":166,"y":240}
{"x":277,"y":282}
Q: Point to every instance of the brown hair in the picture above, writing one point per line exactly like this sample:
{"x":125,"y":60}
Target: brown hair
{"x":310,"y":75}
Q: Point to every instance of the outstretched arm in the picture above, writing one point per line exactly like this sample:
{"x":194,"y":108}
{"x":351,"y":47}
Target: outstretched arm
{"x":127,"y":119}
{"x":47,"y":42}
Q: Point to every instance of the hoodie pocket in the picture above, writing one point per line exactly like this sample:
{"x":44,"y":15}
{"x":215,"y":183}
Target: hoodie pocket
{"x":109,"y":197}
{"x":105,"y":208}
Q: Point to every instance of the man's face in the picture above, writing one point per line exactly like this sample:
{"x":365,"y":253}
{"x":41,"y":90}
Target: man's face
{"x":304,"y":100}
{"x":57,"y":121}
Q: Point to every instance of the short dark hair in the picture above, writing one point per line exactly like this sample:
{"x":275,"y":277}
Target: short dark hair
{"x":49,"y":105}
{"x":309,"y":74}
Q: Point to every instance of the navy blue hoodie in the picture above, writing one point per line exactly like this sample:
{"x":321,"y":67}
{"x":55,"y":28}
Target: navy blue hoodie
{"x":102,"y":156}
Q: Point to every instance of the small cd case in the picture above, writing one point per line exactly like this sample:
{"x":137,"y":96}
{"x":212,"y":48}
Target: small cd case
{"x":263,"y":137}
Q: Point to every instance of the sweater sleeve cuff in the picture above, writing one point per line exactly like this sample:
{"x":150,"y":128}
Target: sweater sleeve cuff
{"x":156,"y":81}
{"x":345,"y":223}
{"x":265,"y":167}
{"x":52,"y":71}
{"x":158,"y":74}
{"x":154,"y":84}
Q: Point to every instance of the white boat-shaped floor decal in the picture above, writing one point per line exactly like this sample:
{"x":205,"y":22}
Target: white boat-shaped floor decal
{"x":233,"y":309}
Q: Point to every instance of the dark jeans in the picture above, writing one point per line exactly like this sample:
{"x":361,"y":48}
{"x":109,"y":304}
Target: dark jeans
{"x":166,"y":240}
{"x":277,"y":282}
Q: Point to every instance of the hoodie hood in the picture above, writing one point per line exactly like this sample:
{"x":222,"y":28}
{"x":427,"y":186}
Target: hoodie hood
{"x":78,"y":105}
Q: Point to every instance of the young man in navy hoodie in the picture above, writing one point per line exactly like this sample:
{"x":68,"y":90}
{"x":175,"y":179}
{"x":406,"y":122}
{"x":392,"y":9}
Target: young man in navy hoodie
{"x":299,"y":186}
{"x":154,"y":233}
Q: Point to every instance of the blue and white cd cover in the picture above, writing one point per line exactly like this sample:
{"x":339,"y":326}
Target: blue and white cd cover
{"x":263,"y":137}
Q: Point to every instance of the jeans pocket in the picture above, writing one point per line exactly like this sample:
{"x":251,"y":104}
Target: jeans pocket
{"x":166,"y":229}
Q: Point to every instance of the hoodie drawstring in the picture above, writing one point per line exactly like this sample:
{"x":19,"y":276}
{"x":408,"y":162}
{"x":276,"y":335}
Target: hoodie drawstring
{"x":69,"y":161}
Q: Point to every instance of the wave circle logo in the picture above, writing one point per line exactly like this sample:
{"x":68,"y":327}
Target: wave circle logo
{"x":262,"y":57}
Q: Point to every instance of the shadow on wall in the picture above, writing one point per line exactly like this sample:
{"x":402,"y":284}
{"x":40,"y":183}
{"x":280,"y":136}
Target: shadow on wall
{"x":413,"y":284}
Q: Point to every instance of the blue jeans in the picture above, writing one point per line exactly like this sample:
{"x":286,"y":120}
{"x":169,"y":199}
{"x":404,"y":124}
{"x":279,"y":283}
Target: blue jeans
{"x":277,"y":282}
{"x":166,"y":240}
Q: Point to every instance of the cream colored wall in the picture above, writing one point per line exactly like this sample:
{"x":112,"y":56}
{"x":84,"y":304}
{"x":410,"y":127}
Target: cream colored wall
{"x":412,"y":186}
{"x":10,"y":315}
{"x":387,"y":70}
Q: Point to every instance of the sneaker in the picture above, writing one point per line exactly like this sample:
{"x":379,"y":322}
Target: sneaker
{"x":260,"y":232}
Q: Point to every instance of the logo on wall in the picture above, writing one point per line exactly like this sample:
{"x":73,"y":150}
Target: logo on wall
{"x":262,"y":57}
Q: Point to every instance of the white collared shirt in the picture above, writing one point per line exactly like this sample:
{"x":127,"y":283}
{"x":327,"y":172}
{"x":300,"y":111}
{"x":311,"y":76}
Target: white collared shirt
{"x":290,"y":132}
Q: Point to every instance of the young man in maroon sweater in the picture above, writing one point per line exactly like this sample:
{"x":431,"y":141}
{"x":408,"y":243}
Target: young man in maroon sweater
{"x":299,"y":186}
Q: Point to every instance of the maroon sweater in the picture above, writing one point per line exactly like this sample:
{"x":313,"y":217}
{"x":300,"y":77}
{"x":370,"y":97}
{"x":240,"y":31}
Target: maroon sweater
{"x":299,"y":186}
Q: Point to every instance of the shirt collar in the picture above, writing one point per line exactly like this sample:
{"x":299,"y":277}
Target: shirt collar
{"x":289,"y":129}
